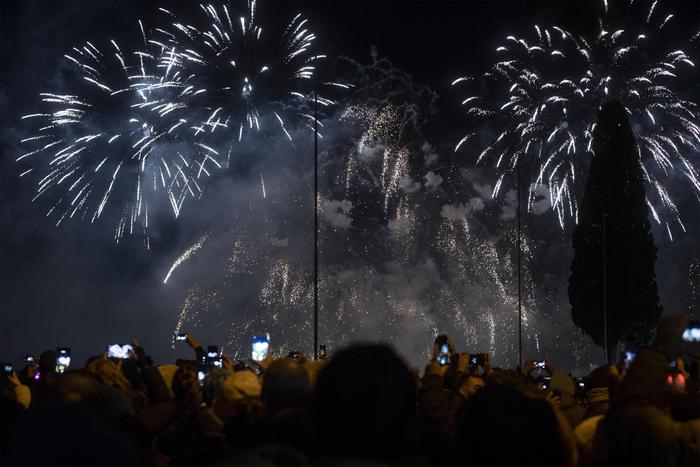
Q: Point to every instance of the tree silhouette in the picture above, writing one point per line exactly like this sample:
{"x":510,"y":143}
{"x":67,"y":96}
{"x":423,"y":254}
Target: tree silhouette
{"x":613,"y":240}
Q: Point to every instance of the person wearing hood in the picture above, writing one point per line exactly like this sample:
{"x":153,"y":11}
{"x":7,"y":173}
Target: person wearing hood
{"x":562,"y":394}
{"x":601,"y":383}
{"x":641,"y":430}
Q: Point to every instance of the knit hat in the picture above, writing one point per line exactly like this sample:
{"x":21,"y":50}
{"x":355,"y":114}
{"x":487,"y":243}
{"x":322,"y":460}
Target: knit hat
{"x":562,"y":383}
{"x":242,"y":384}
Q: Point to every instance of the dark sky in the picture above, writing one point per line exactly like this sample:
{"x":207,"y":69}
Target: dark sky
{"x":67,"y":286}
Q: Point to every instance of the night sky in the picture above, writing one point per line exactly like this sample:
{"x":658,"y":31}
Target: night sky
{"x":74,"y":286}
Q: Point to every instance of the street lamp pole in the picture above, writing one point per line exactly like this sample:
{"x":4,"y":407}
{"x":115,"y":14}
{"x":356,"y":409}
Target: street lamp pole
{"x":315,"y":225}
{"x":605,"y":293}
{"x":520,"y":293}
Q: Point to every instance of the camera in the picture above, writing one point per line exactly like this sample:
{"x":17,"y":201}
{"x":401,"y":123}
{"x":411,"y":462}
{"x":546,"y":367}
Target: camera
{"x":28,"y":358}
{"x":7,"y":368}
{"x":540,"y":363}
{"x":181,"y":337}
{"x":62,"y":359}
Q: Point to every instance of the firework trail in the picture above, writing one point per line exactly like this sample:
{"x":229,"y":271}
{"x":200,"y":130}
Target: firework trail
{"x":251,"y":78}
{"x":186,"y":255}
{"x":118,"y":138}
{"x":545,"y":91}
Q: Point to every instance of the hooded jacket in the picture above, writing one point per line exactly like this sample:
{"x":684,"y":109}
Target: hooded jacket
{"x":640,"y":429}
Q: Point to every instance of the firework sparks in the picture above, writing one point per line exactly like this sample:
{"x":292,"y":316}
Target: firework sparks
{"x":248,"y":77}
{"x":390,"y":110}
{"x":400,"y":269}
{"x":551,"y":85}
{"x":118,"y":138}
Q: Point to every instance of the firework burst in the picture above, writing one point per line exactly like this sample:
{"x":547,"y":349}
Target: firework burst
{"x":544,"y":93}
{"x":119,"y":137}
{"x":251,"y":77}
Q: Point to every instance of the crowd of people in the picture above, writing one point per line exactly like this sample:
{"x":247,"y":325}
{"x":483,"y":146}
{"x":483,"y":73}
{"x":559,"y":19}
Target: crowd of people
{"x":361,"y":406}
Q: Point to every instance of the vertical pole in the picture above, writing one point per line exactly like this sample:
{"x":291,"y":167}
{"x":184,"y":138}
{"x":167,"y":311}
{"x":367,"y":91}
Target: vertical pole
{"x":315,"y":225}
{"x":520,"y":294}
{"x":605,"y":294}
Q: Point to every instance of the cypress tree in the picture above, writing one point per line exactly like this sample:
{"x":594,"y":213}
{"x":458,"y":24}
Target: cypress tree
{"x":614,"y":250}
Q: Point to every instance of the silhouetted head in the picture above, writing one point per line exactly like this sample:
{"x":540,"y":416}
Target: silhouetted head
{"x":108,"y":373}
{"x":500,"y":425}
{"x":109,"y":401}
{"x":504,"y":377}
{"x":364,"y":404}
{"x":47,"y":362}
{"x":563,"y":383}
{"x":185,"y":385}
{"x":240,"y":385}
{"x":246,"y":419}
{"x":468,"y":385}
{"x":286,"y":384}
{"x":71,"y":434}
{"x":213,"y":385}
{"x":604,"y":376}
{"x":313,"y":368}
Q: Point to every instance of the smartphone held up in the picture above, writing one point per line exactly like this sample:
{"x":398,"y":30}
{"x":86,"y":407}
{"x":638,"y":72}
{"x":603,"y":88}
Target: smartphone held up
{"x":260,"y":348}
{"x":692,"y":332}
{"x":214,"y":357}
{"x":62,"y":359}
{"x":119,"y":351}
{"x":443,"y":343}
